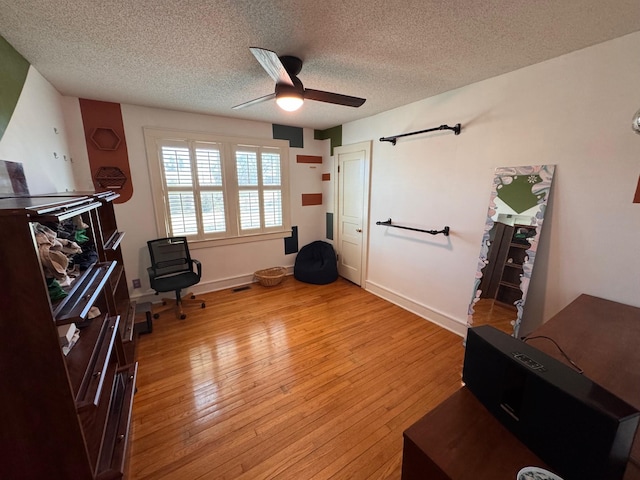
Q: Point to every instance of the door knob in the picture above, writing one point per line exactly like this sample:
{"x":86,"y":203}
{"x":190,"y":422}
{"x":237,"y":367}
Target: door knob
{"x":358,"y":230}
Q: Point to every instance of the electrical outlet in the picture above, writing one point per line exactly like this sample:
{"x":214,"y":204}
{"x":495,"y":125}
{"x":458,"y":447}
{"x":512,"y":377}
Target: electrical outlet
{"x":136,"y":283}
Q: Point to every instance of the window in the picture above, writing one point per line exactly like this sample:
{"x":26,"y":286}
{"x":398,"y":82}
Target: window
{"x":216,"y":188}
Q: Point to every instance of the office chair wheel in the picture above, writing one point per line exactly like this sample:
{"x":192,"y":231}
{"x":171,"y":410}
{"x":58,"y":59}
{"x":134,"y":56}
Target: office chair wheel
{"x":156,"y":315}
{"x":202,"y":305}
{"x":183,"y":316}
{"x":164,"y":302}
{"x":193,"y":297}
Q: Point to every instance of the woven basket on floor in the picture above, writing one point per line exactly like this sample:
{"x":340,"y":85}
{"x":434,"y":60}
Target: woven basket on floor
{"x":270,"y":276}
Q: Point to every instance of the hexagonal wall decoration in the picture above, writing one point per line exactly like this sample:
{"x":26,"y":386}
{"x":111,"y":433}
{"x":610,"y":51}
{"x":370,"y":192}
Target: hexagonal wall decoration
{"x":111,"y":178}
{"x":105,"y":138}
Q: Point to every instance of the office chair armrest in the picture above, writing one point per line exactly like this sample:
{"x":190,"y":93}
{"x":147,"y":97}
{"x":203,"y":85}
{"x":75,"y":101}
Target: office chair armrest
{"x":152,"y":272}
{"x":198,"y":266}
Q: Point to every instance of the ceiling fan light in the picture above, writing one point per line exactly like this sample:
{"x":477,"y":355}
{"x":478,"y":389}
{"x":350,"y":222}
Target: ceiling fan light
{"x":289,"y":101}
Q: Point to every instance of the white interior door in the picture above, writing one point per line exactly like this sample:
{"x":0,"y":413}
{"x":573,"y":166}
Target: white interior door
{"x":353,"y":209}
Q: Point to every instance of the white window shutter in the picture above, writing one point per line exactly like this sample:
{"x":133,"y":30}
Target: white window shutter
{"x":182,"y":212}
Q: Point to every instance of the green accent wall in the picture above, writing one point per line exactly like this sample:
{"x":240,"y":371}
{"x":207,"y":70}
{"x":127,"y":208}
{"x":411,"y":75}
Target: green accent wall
{"x":329,"y":225}
{"x":291,"y":243}
{"x":293,"y":134}
{"x":334,"y":134}
{"x":13,"y":74}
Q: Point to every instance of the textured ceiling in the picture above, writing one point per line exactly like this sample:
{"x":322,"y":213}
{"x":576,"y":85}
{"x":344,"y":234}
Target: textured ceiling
{"x":194,"y":55}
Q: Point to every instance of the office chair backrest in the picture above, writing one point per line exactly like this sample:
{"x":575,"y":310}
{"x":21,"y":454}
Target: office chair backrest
{"x":169,"y":255}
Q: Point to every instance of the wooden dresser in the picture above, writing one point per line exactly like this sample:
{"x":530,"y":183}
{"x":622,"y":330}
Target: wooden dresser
{"x":64,"y":416}
{"x":461,"y":440}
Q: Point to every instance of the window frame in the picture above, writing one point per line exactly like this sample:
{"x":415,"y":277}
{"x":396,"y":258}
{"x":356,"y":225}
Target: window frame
{"x":156,"y":138}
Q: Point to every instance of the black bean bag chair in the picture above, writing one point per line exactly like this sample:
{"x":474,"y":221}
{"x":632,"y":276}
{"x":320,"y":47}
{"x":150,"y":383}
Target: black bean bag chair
{"x":316,"y":263}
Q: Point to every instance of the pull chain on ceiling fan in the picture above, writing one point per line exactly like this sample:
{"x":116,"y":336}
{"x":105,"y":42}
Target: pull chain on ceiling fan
{"x":289,"y":92}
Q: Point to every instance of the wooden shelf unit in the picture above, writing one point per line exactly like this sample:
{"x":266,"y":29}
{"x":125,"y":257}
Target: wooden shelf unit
{"x":507,"y":253}
{"x":66,"y":416}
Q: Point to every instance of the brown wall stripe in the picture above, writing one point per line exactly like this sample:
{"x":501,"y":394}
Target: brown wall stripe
{"x":308,"y":159}
{"x":107,"y":146}
{"x":326,"y":177}
{"x":311,"y":199}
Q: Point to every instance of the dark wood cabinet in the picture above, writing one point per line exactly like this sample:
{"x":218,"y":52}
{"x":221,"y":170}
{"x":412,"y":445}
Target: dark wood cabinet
{"x":64,"y":416}
{"x":461,"y":440}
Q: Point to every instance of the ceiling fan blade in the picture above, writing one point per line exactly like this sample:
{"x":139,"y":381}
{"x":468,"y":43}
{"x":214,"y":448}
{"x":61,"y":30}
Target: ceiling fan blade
{"x":255,"y":101}
{"x":272,"y":65}
{"x":336,"y":98}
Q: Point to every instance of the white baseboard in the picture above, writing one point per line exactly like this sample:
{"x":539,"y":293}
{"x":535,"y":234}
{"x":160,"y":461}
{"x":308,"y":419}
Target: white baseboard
{"x":203,"y":287}
{"x":423,"y":311}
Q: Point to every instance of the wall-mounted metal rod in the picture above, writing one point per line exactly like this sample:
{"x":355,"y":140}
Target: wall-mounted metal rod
{"x":393,"y":138}
{"x":444,"y":231}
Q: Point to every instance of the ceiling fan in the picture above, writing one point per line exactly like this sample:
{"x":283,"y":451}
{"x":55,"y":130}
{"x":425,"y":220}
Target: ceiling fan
{"x":289,"y":92}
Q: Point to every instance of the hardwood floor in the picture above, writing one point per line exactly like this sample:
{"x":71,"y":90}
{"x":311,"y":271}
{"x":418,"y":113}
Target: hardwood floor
{"x":295,"y":381}
{"x":488,"y":311}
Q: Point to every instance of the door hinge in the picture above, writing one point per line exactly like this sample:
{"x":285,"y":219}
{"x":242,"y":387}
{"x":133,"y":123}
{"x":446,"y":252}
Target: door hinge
{"x":338,"y":168}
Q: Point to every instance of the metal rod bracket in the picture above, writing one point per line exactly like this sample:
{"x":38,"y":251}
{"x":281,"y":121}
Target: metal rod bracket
{"x":392,"y":139}
{"x":388,"y":223}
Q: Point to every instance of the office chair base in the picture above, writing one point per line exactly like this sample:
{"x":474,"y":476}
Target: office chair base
{"x":188,"y":300}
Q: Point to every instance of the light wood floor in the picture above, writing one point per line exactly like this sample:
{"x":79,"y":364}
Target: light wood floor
{"x":296,"y":381}
{"x":488,"y":311}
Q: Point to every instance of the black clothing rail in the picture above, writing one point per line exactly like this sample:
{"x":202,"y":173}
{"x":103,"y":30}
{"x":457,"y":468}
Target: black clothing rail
{"x":393,"y":138}
{"x":444,"y":231}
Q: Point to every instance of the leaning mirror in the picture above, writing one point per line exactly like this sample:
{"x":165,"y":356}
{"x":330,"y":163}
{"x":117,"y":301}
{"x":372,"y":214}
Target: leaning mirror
{"x":514,"y":221}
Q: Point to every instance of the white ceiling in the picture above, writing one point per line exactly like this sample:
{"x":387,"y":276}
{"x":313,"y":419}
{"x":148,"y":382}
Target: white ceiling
{"x":193,"y":55}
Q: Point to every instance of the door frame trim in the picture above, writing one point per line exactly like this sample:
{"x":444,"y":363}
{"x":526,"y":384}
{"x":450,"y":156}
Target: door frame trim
{"x":366,"y":204}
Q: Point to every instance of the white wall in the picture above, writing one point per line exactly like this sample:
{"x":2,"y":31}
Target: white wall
{"x":223,"y":266}
{"x":573,"y":111}
{"x":30,"y":137}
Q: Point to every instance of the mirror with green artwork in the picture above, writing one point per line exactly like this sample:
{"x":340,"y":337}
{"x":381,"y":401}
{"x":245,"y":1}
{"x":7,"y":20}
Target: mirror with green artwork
{"x":514,"y":221}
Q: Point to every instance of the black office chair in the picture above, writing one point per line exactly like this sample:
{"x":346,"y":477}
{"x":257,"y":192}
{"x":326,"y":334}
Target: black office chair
{"x":172,"y":270}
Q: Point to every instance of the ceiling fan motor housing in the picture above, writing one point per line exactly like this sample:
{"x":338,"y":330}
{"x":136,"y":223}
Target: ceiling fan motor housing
{"x":290,"y":90}
{"x":292,"y":65}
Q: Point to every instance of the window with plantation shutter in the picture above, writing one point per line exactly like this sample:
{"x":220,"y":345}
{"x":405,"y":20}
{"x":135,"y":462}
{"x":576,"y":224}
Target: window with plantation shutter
{"x":182,"y":213}
{"x":259,"y":187}
{"x":216,"y":188}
